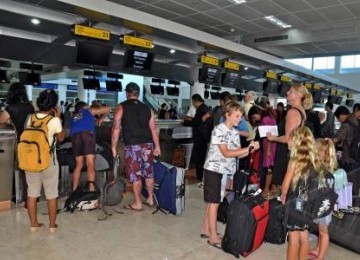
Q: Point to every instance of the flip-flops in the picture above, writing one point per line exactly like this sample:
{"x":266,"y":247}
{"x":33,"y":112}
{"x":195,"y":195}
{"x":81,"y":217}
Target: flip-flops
{"x":216,"y":245}
{"x":36,"y":228}
{"x":207,"y":236}
{"x":130,"y":207}
{"x":312,"y":255}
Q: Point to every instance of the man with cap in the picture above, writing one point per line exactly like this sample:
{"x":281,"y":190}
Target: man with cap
{"x":136,"y":121}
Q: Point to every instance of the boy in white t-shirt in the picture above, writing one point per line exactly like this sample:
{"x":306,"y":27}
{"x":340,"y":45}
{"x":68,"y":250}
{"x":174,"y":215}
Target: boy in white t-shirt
{"x":221,"y":159}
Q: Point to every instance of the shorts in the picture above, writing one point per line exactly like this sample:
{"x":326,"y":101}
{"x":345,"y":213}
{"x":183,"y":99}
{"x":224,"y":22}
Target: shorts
{"x":49,"y":178}
{"x":139,"y":161}
{"x":212,"y":186}
{"x":83,"y":143}
{"x":323,"y":221}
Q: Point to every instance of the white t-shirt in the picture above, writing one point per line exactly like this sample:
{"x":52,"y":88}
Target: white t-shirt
{"x":54,"y":126}
{"x":191,"y":112}
{"x":215,"y":161}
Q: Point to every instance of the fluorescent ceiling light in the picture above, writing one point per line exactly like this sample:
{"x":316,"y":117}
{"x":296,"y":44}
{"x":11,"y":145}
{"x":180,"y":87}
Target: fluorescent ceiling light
{"x":272,"y":19}
{"x":238,"y":1}
{"x":172,"y":51}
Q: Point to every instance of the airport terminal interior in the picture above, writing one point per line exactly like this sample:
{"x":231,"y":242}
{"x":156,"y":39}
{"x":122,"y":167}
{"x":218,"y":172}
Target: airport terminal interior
{"x":90,"y":50}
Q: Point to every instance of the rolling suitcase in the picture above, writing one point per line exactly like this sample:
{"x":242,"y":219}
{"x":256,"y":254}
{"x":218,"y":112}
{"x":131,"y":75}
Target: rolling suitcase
{"x":247,"y":220}
{"x":169,"y":189}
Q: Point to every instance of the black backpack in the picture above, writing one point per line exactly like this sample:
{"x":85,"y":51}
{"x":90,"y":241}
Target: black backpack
{"x":82,"y":198}
{"x":355,"y":142}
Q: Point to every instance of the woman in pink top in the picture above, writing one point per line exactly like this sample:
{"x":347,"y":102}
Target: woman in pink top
{"x":260,"y":116}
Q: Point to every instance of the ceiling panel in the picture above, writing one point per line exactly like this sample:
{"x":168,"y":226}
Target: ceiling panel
{"x":292,"y":20}
{"x":220,"y":3}
{"x":292,"y":6}
{"x":145,"y":1}
{"x":225,"y":16}
{"x":198,"y":5}
{"x":267,"y":25}
{"x":131,"y":4}
{"x":189,"y":22}
{"x":249,"y":27}
{"x":174,"y":7}
{"x":337,"y":13}
{"x":266,"y":7}
{"x":354,"y":8}
{"x":245,"y":12}
{"x":311,"y":17}
{"x":158,"y":12}
{"x":206,"y":19}
{"x":323,"y":3}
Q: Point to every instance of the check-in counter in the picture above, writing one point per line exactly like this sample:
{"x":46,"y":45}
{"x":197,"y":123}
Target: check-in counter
{"x":7,"y":148}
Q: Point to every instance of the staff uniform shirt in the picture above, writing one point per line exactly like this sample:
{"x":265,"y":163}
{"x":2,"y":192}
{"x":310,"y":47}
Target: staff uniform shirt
{"x":215,"y":160}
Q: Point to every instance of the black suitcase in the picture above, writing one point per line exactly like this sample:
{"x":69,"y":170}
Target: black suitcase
{"x":346,"y":232}
{"x":246,"y":224}
{"x":276,"y":228}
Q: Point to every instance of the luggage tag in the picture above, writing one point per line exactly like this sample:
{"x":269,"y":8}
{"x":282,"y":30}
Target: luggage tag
{"x":301,"y":198}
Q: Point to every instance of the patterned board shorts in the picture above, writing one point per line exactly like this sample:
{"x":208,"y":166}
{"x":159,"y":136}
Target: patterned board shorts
{"x":139,"y":161}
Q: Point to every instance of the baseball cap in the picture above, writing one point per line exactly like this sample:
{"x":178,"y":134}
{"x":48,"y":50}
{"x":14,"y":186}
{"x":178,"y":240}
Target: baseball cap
{"x":132,"y":88}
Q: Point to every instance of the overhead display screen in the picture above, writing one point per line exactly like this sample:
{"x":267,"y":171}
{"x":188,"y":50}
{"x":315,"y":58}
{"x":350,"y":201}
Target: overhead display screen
{"x":209,"y":75}
{"x":94,"y":54}
{"x":138,"y":60}
{"x":230,"y":79}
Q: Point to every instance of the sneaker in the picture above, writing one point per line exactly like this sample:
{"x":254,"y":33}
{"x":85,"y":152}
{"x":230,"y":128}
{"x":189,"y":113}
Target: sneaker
{"x":200,"y":185}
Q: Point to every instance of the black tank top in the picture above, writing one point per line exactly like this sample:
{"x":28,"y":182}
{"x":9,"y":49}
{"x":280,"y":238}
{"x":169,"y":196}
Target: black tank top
{"x":135,"y":122}
{"x":18,"y":114}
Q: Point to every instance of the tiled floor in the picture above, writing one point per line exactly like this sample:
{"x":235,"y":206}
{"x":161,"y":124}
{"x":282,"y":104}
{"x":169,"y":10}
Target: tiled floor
{"x":132,"y":235}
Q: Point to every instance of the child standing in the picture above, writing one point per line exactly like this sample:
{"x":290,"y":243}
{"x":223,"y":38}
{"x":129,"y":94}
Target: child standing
{"x":304,"y":169}
{"x":221,"y":159}
{"x":327,"y":155}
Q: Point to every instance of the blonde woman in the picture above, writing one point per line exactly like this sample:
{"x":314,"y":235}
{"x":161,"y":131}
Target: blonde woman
{"x":303,"y":174}
{"x":300,"y":100}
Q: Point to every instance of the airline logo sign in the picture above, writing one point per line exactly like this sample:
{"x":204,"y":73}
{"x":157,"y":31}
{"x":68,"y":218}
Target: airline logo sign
{"x":317,"y":87}
{"x":271,"y":75}
{"x":285,"y":78}
{"x":92,"y":32}
{"x":209,"y":60}
{"x":139,"y":42}
{"x":231,"y":65}
{"x":308,"y":85}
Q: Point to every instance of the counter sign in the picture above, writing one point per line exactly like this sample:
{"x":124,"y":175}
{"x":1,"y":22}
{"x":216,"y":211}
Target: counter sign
{"x":92,"y":32}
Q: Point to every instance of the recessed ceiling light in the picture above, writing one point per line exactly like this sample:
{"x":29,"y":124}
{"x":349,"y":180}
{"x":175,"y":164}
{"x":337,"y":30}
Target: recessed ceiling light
{"x":35,"y":21}
{"x":272,"y":19}
{"x":246,"y":68}
{"x":172,"y":51}
{"x":238,"y":1}
{"x":232,"y":30}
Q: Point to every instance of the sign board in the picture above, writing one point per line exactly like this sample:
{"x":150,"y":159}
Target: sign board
{"x":209,"y":60}
{"x":231,"y":65}
{"x":92,"y":32}
{"x":139,"y":42}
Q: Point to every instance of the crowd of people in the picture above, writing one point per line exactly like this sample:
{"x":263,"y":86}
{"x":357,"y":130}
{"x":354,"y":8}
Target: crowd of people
{"x":302,"y":153}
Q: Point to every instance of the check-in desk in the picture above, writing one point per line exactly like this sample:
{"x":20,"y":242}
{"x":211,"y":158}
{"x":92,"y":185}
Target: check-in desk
{"x":7,"y":148}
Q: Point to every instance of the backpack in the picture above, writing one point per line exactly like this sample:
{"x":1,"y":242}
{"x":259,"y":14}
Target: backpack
{"x":34,"y":151}
{"x":355,"y":142}
{"x":83,"y":199}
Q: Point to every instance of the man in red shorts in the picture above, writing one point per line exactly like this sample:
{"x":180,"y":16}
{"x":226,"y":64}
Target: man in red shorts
{"x":136,"y":121}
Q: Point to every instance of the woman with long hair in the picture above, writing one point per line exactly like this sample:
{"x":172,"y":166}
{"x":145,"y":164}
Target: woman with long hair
{"x":300,"y":100}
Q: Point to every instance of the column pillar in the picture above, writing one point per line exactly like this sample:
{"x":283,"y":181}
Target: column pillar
{"x":197,"y":88}
{"x":29,"y":93}
{"x":81,"y":93}
{"x":62,"y":92}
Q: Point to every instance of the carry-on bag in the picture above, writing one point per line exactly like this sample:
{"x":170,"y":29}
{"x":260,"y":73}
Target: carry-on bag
{"x":83,"y":198}
{"x":169,"y":189}
{"x":276,"y":227}
{"x":247,"y":220}
{"x":112,"y":193}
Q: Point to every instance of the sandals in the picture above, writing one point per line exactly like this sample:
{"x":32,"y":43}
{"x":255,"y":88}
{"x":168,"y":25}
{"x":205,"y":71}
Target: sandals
{"x":216,"y":245}
{"x":53,"y":229}
{"x":36,"y":228}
